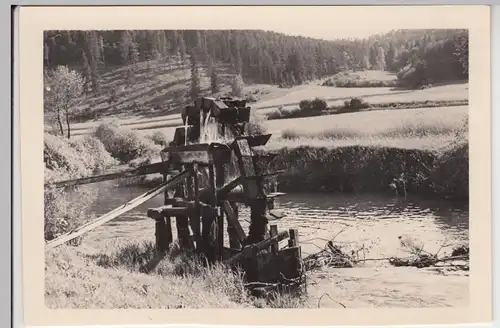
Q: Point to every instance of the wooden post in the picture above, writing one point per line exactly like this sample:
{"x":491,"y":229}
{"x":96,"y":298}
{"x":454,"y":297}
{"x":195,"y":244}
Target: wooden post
{"x":294,"y":238}
{"x":190,"y":196}
{"x":291,"y":258}
{"x":167,"y":219}
{"x":162,"y":239}
{"x":182,"y":222}
{"x":234,"y":229}
{"x":195,"y":217}
{"x":219,"y":182}
{"x":208,"y":219}
{"x":274,"y":232}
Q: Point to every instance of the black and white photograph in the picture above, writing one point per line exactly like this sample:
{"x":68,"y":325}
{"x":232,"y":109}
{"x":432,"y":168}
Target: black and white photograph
{"x":256,"y":168}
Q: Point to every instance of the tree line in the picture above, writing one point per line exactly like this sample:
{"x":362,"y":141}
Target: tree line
{"x":262,"y":56}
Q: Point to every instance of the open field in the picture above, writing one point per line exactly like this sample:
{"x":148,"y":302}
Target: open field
{"x":154,"y":99}
{"x":378,"y":127}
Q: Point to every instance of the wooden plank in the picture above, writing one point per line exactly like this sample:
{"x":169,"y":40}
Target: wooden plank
{"x":235,"y":240}
{"x":290,"y":262}
{"x":273,"y":231}
{"x":160,"y":167}
{"x":219,"y":182}
{"x":233,"y":221}
{"x":163,"y":239}
{"x":117,"y":211}
{"x":258,"y":247}
{"x":196,"y":213}
{"x":166,"y":210}
{"x":255,"y":141}
{"x":247,"y":169}
{"x":208,"y":220}
{"x":294,"y":238}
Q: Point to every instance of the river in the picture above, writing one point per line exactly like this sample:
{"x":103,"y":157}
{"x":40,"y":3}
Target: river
{"x":376,"y":223}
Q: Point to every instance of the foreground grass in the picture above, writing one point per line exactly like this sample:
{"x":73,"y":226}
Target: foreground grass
{"x":112,"y":280}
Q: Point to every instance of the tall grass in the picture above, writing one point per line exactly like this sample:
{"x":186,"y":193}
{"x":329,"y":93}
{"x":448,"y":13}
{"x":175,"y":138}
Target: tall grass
{"x":180,"y":281}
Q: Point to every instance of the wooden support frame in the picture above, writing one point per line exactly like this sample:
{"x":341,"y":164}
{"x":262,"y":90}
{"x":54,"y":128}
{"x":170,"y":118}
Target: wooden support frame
{"x":249,"y":250}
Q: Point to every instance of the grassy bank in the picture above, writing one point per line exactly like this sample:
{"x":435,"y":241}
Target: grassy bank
{"x":180,"y":281}
{"x":352,"y":169}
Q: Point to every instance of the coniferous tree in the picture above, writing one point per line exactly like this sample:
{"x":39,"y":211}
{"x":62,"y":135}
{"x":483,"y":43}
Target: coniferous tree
{"x":214,"y":82}
{"x":195,"y":90}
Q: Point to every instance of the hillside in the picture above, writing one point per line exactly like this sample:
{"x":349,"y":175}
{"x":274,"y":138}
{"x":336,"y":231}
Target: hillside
{"x":139,"y":75}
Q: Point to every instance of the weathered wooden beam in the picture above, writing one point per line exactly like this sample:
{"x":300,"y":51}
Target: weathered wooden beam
{"x":167,"y":211}
{"x":245,"y":164}
{"x":249,"y":250}
{"x":273,"y":231}
{"x":294,"y":238}
{"x":201,"y":154}
{"x":254,"y":141}
{"x":219,"y":183}
{"x":235,"y":238}
{"x":117,"y":211}
{"x":233,"y":221}
{"x":195,"y":215}
{"x":290,"y":264}
{"x":161,"y":167}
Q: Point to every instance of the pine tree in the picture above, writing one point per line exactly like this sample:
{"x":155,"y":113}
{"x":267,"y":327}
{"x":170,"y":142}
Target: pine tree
{"x":214,"y":82}
{"x":373,"y":57}
{"x":237,"y":86}
{"x":390,"y":57}
{"x":195,"y":79}
{"x":182,"y":48}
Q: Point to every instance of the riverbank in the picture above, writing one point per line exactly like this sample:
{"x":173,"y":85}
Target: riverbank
{"x":354,"y":169}
{"x":114,"y":252}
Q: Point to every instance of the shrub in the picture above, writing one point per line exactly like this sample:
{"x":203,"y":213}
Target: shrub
{"x":159,"y":138}
{"x":75,"y":158}
{"x":305,"y":104}
{"x":63,"y":214}
{"x":125,"y":144}
{"x":67,"y":159}
{"x":318,"y":104}
{"x":354,"y":105}
{"x":256,"y":125}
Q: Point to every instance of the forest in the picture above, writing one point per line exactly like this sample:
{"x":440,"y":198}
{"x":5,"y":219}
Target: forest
{"x":417,"y":56}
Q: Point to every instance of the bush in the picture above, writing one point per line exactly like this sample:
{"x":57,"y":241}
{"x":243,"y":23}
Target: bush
{"x":125,"y":144}
{"x":319,"y":104}
{"x":69,"y":159}
{"x":62,"y":214}
{"x":315,"y":104}
{"x":354,"y":105}
{"x":75,"y":158}
{"x":159,"y":138}
{"x":305,"y":104}
{"x":256,"y":125}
